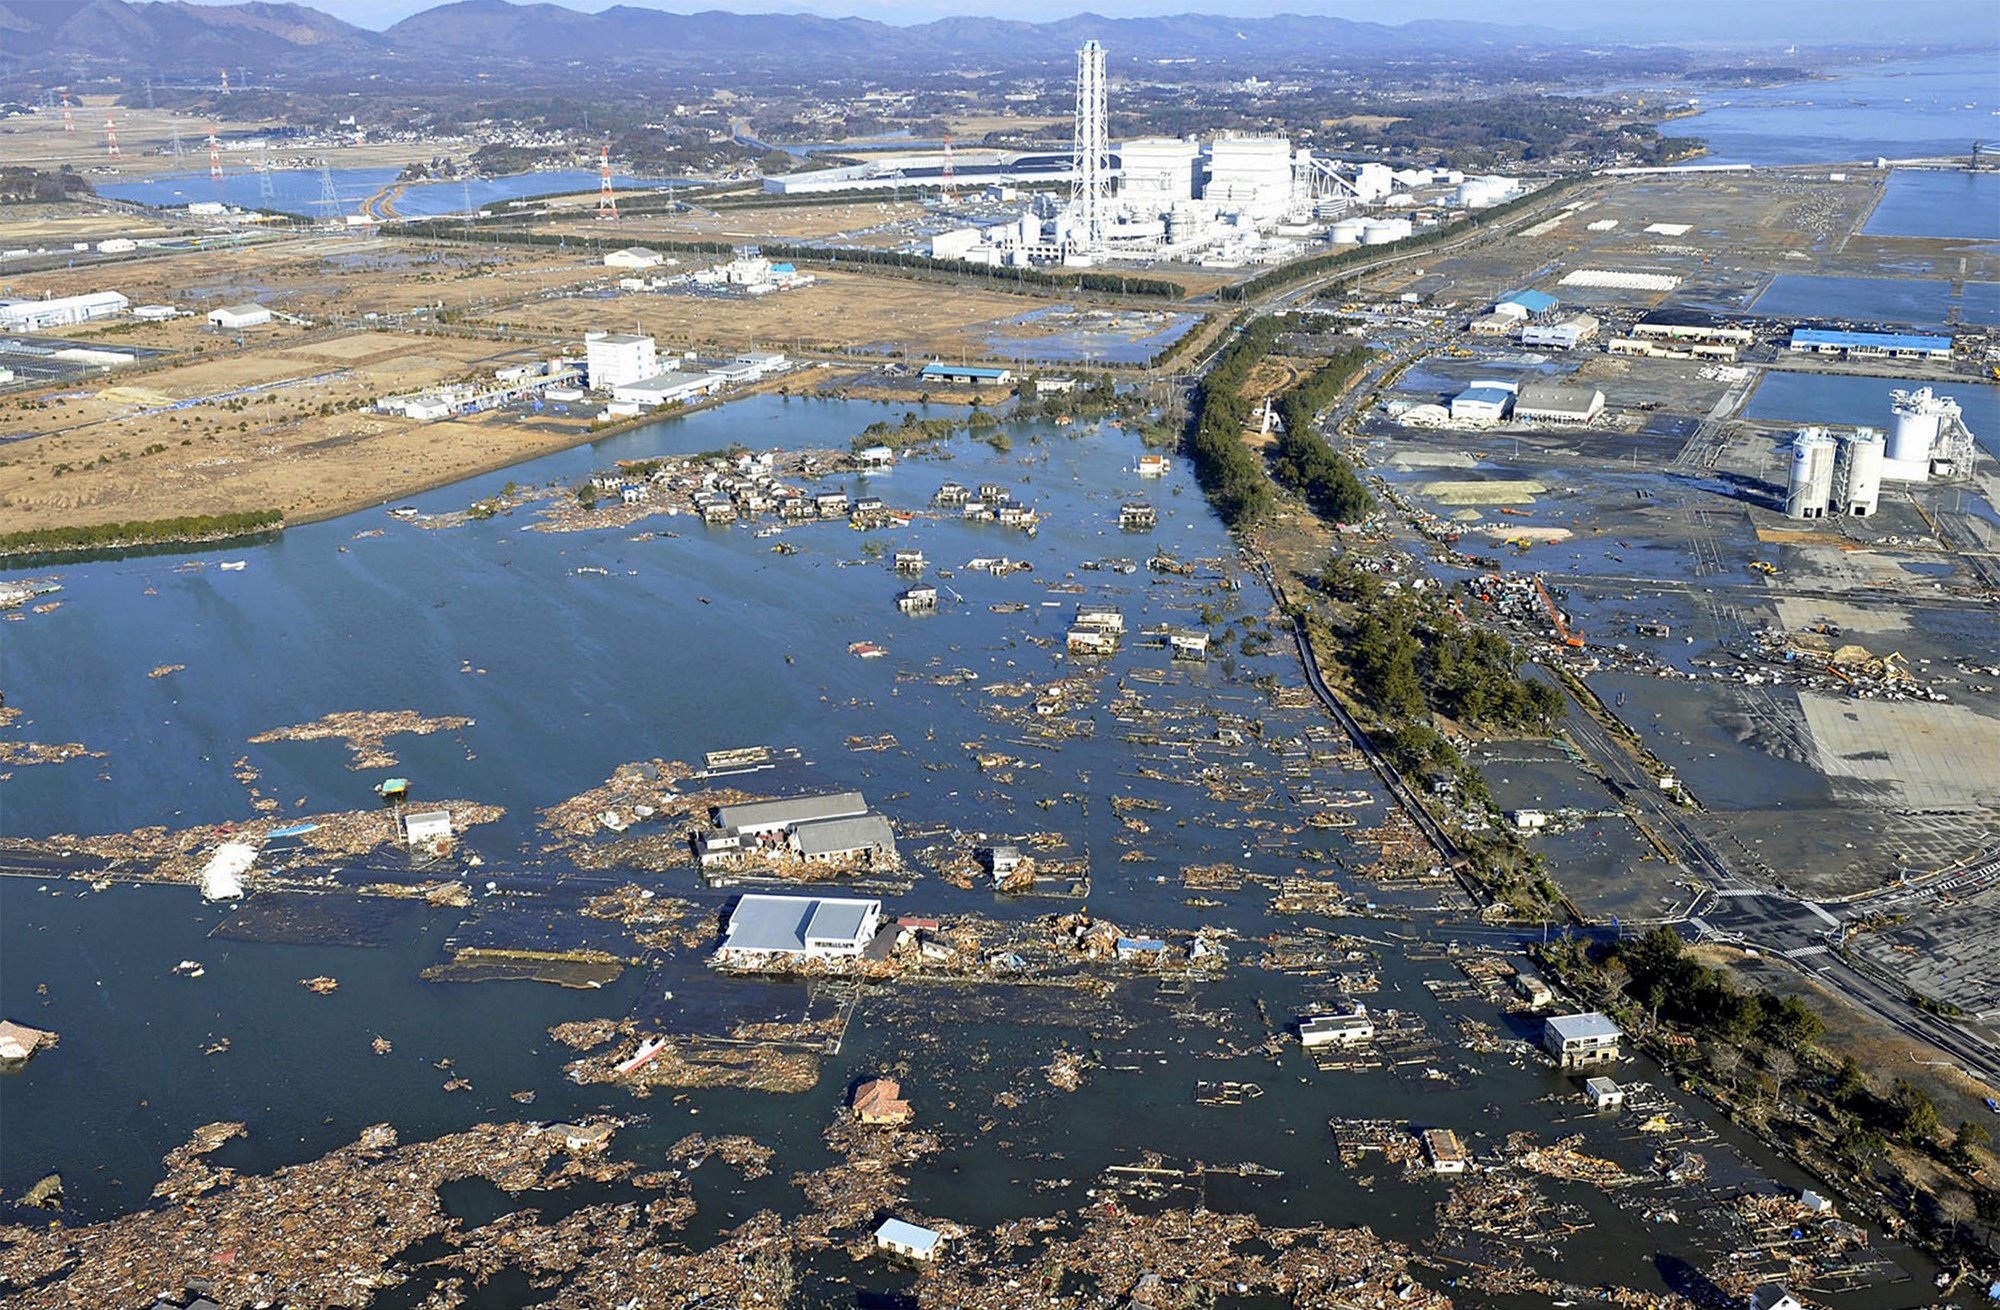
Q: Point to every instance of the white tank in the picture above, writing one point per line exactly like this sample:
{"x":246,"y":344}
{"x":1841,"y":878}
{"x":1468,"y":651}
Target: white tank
{"x":1811,"y":487}
{"x":1347,"y":231}
{"x":1862,"y":454}
{"x":1381,"y":231}
{"x":1919,"y":416}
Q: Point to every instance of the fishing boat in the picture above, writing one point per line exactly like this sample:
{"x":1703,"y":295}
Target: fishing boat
{"x":649,"y":1048}
{"x":233,"y":566}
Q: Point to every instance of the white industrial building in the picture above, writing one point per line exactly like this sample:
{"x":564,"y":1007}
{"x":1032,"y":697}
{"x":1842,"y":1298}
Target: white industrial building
{"x":1566,"y":333}
{"x":36,"y":315}
{"x":955,"y":244}
{"x":1544,"y":402}
{"x":1483,"y":402}
{"x":617,"y":359}
{"x":234,"y":318}
{"x":668,"y":387}
{"x":634,"y":257}
{"x":1349,"y":1026}
{"x":1927,"y":434}
{"x":1251,"y":174}
{"x":1159,"y":171}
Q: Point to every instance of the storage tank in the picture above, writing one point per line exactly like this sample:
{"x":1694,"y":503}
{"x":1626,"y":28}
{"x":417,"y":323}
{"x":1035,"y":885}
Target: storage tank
{"x":1811,"y":485}
{"x":1381,"y":231}
{"x":1862,"y":454}
{"x":1347,"y":231}
{"x":1918,"y":420}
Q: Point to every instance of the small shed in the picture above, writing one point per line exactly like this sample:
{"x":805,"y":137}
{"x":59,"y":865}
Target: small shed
{"x":1603,"y":1094}
{"x":1446,"y":1152}
{"x":421,"y":827}
{"x":911,"y":1241}
{"x":1814,"y":1202}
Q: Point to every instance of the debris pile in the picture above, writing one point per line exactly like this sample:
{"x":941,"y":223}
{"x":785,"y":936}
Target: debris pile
{"x":365,"y":731}
{"x":325,"y":1233}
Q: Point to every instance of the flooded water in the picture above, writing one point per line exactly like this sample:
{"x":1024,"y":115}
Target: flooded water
{"x":679,"y":644}
{"x":1783,"y":397}
{"x":1900,"y":301}
{"x":1938,"y":204}
{"x":1101,"y":336}
{"x":1905,"y":109}
{"x":299,"y":191}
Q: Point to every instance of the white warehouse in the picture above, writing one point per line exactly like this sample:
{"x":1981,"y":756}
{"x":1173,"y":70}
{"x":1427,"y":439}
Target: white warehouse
{"x":34,"y":315}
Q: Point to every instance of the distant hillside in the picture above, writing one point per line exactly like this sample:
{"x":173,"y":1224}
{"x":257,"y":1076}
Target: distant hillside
{"x":463,"y":39}
{"x":173,"y":35}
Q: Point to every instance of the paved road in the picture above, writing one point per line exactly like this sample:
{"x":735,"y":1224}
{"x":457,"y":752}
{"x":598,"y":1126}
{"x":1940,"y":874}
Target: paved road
{"x":1732,"y":908}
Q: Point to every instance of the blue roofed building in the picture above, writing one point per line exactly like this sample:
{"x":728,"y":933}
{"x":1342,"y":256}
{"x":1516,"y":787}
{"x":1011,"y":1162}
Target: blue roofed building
{"x":1534,"y":302}
{"x":1870,"y":345}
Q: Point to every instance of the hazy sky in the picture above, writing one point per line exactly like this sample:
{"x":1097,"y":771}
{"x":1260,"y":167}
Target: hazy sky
{"x":1801,"y":21}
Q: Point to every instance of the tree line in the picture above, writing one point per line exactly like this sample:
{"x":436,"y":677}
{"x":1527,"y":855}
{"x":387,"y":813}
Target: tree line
{"x":141,"y":532}
{"x":1229,"y":472}
{"x":1305,"y":461}
{"x":1050,"y":279}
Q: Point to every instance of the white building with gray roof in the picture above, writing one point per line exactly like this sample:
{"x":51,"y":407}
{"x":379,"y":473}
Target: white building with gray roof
{"x":804,"y":927}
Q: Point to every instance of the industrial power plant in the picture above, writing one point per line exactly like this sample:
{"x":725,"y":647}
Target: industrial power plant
{"x":1236,"y":200}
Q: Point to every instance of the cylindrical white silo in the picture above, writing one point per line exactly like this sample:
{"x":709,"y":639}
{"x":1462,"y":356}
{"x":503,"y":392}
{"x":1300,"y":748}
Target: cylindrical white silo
{"x":1347,"y":231}
{"x":1917,"y":416}
{"x":1811,"y":485}
{"x":1864,"y":472}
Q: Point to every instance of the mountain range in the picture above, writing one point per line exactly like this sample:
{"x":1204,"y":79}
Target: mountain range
{"x":469,"y":36}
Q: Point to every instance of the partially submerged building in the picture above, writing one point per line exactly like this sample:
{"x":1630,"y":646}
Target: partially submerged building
{"x":799,"y":927}
{"x":880,"y":1101}
{"x":1446,"y":1152}
{"x":1580,"y":1039}
{"x":1345,"y":1027}
{"x":910,"y":1241}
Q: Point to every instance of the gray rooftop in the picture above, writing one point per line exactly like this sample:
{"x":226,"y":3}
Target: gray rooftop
{"x":837,"y":836}
{"x":798,"y":809}
{"x":1582,"y":1027}
{"x":838,"y":921}
{"x":783,"y":923}
{"x":1543,"y":395}
{"x":907,"y":1234}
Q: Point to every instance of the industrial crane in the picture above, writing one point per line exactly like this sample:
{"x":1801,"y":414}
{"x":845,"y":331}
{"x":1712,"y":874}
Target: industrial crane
{"x":1568,"y":636}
